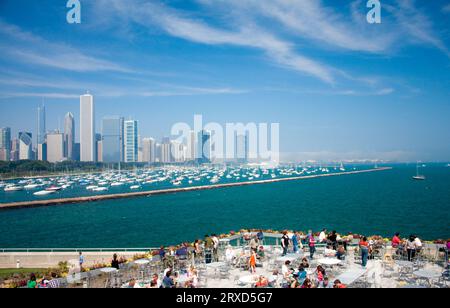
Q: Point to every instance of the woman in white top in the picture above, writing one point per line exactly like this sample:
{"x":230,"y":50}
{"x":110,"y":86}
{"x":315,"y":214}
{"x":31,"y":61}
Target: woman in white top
{"x":411,"y":248}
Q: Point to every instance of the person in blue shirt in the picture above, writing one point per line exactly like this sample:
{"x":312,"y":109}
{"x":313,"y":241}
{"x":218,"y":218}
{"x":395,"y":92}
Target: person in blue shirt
{"x":162,"y":252}
{"x":81,"y":261}
{"x":168,"y":281}
{"x":260,"y":236}
{"x":295,"y":242}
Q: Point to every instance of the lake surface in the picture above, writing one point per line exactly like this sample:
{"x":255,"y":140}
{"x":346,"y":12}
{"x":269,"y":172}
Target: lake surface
{"x":374,"y":203}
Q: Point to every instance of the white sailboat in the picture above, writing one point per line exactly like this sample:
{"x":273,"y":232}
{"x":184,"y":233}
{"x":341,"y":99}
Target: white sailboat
{"x":418,"y":176}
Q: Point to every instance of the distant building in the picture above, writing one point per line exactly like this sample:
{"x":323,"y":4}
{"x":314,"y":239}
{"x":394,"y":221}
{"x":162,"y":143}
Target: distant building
{"x":99,"y":151}
{"x":15,"y":150}
{"x":112,"y":140}
{"x":76,"y":152}
{"x":55,"y":147}
{"x":148,"y":150}
{"x":191,"y":146}
{"x":42,"y":152}
{"x":178,"y":152}
{"x":41,"y":129}
{"x":204,"y":149}
{"x":5,"y":143}
{"x":87,"y":128}
{"x":166,"y":151}
{"x":242,"y":149}
{"x":131,"y":141}
{"x":25,"y":146}
{"x":69,"y":136}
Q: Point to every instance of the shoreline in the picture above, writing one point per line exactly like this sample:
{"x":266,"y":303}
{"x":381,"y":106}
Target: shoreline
{"x":55,"y":202}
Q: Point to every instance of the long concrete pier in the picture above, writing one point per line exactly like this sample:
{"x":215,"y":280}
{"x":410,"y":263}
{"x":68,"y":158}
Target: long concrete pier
{"x":54,"y":202}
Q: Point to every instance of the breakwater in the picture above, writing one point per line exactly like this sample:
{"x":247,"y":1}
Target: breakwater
{"x":55,"y":202}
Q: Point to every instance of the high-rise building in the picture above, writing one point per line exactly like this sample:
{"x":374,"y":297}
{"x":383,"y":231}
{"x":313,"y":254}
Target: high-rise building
{"x":166,"y":151}
{"x":241,"y":149}
{"x":41,"y":129}
{"x":148,"y":150}
{"x":112,"y":139}
{"x":5,"y":143}
{"x":42,"y":151}
{"x":69,"y":136}
{"x":131,"y":141}
{"x":15,"y":150}
{"x":99,"y":151}
{"x":87,"y":128}
{"x":204,"y":149}
{"x":55,"y":147}
{"x":178,"y":151}
{"x":76,"y":152}
{"x":191,"y":146}
{"x":25,"y":146}
{"x":158,"y":153}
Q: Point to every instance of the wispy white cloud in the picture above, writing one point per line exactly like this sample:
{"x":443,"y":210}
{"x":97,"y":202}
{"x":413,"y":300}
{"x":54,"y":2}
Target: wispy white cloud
{"x":30,"y":48}
{"x":176,"y":24}
{"x":415,"y":26}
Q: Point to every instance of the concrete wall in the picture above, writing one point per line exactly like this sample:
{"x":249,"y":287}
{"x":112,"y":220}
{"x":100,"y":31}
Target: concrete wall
{"x":47,"y":259}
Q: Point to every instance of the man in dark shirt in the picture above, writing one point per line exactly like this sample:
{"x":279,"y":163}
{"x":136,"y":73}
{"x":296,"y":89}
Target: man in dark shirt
{"x":168,"y":281}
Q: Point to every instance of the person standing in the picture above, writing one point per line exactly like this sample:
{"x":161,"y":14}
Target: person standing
{"x":32,"y":283}
{"x":295,"y":242}
{"x":115,"y":262}
{"x":312,"y":244}
{"x":364,"y":247}
{"x":396,"y":240}
{"x":411,"y":248}
{"x":215,"y":242}
{"x":253,"y":262}
{"x":260,"y":236}
{"x":285,"y":243}
{"x":323,"y":236}
{"x":81,"y":261}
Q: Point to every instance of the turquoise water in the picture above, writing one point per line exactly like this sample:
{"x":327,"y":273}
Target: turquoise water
{"x":373,"y":203}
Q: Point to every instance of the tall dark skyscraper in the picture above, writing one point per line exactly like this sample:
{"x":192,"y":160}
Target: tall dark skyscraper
{"x":69,"y":136}
{"x":41,"y":129}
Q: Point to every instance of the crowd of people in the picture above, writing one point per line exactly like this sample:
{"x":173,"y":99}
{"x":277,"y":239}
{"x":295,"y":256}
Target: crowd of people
{"x":207,"y":251}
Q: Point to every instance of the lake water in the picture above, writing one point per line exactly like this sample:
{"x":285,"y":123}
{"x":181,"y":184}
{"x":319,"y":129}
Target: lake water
{"x":374,"y":203}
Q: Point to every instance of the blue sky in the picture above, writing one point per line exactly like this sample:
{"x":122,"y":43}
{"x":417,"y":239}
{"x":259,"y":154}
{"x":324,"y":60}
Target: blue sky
{"x":339,"y":87}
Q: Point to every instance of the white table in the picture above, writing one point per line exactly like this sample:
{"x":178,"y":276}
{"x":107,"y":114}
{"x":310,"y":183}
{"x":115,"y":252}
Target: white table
{"x":250,"y":279}
{"x":142,"y":262}
{"x":329,"y":261}
{"x":108,"y":270}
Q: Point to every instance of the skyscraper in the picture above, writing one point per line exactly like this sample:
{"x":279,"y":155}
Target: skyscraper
{"x":87,"y":128}
{"x":41,"y":129}
{"x":131,"y":141}
{"x":15,"y":149}
{"x":241,"y":149}
{"x":204,"y":149}
{"x":112,"y":139}
{"x":191,"y":146}
{"x":5,"y":143}
{"x":69,"y":136}
{"x":166,"y":151}
{"x":55,"y":147}
{"x":148,"y":150}
{"x":25,"y":146}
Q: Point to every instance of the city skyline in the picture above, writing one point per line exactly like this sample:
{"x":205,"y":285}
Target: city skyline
{"x":339,"y":87}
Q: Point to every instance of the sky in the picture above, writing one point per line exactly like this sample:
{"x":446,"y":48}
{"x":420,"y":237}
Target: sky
{"x":340,"y":88}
